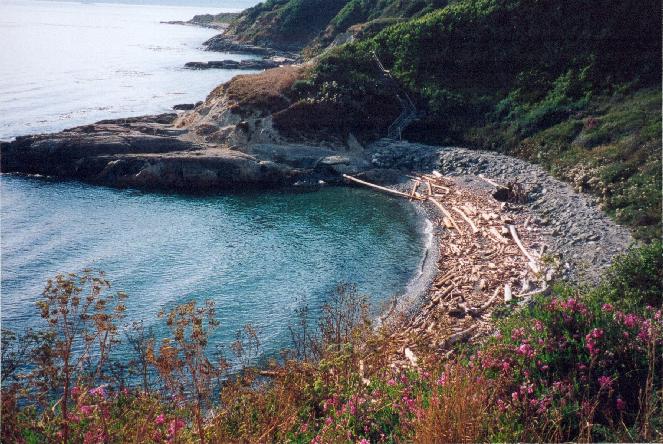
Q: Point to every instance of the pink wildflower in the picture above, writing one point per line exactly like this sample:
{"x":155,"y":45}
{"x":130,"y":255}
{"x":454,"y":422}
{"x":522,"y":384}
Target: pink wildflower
{"x":514,"y":396}
{"x":160,"y":419}
{"x":73,"y":418}
{"x":99,"y":391}
{"x":364,"y":441}
{"x":86,"y":410}
{"x":517,"y":334}
{"x":643,"y":334}
{"x":591,"y":339}
{"x":605,"y":382}
{"x":75,"y":391}
{"x":630,"y":320}
{"x":175,"y":426}
{"x":391,"y":382}
{"x":525,"y":350}
{"x":620,"y":404}
{"x":442,"y":379}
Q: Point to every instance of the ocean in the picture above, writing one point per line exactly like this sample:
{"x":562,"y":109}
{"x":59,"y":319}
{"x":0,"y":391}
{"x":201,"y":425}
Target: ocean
{"x":64,"y":64}
{"x":260,"y":256}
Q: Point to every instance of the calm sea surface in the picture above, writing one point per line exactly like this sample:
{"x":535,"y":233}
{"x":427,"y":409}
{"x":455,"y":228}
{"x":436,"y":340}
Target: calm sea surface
{"x":66,"y":64}
{"x":259,"y":256}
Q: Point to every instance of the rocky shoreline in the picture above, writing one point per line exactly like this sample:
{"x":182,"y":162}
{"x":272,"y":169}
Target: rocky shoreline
{"x":154,"y":152}
{"x":464,"y":276}
{"x":234,"y":64}
{"x":228,"y":142}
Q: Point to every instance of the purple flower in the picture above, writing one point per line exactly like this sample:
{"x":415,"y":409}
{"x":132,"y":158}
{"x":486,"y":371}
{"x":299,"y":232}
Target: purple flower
{"x":620,"y":404}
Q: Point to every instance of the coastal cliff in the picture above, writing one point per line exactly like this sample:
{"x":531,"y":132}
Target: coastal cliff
{"x":225,"y":142}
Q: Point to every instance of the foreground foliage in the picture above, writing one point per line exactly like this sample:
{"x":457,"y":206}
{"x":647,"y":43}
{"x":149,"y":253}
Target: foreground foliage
{"x":580,"y":365}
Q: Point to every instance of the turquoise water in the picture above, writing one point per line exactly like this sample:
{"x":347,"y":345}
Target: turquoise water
{"x":259,"y":256}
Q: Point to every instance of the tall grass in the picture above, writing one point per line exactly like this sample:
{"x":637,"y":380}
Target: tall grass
{"x":582,"y":365}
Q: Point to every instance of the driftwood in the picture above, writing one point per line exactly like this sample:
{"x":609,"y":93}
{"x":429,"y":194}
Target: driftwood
{"x":532,"y":262}
{"x":491,"y":300}
{"x":533,"y":292}
{"x":457,"y":337}
{"x":466,"y":219}
{"x":377,"y":187}
{"x":491,"y":182}
{"x":413,"y":193}
{"x":475,"y":270}
{"x":507,"y":293}
{"x":445,"y":212}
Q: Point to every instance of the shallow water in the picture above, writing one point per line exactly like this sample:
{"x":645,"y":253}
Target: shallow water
{"x":259,"y":256}
{"x":64,"y":64}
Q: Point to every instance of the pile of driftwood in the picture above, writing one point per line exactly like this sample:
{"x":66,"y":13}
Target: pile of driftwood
{"x":489,"y":257}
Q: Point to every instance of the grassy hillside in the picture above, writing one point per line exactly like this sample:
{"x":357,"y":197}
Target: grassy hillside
{"x":285,"y":24}
{"x":572,"y":84}
{"x":295,"y":24}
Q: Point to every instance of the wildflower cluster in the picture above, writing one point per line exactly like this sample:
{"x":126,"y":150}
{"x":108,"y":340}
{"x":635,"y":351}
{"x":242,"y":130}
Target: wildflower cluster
{"x":573,"y":364}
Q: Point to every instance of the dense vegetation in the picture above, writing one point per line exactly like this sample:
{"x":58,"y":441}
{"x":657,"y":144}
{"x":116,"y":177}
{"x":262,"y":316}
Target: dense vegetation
{"x":285,"y":24}
{"x":295,"y":24}
{"x":582,"y":364}
{"x":570,"y":84}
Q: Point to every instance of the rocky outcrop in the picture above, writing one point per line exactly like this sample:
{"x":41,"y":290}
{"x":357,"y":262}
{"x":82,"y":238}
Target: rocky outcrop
{"x":213,"y":21}
{"x":185,"y":106}
{"x":256,"y":64}
{"x":223,"y":43}
{"x":173,"y":153}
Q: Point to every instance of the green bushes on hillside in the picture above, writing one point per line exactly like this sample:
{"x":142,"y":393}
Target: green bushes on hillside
{"x":570,"y":84}
{"x":286,"y":24}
